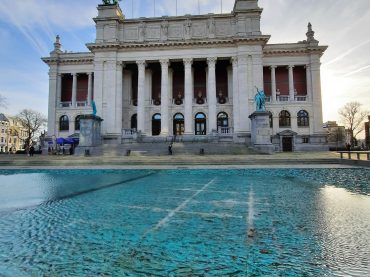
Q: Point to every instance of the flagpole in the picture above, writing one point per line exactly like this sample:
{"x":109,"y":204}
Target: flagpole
{"x":221,"y":6}
{"x":198,"y":7}
{"x":132,"y":8}
{"x":154,"y":8}
{"x":176,"y":7}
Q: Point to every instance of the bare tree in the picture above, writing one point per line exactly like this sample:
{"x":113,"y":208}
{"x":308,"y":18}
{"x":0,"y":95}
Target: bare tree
{"x":353,"y":118}
{"x":3,"y":102}
{"x":33,"y":121}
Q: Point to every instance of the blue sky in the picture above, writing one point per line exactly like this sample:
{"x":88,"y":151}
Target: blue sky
{"x":28,"y":29}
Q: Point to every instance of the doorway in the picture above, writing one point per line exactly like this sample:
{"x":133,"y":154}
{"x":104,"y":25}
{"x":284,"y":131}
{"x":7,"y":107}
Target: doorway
{"x":178,"y":124}
{"x":287,"y":144}
{"x":200,"y":124}
{"x":156,"y":124}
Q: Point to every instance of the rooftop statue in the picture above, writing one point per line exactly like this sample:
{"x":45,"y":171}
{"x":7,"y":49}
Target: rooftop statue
{"x":110,"y":2}
{"x":260,"y":99}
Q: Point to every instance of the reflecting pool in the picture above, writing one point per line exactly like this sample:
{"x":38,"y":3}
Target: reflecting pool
{"x":270,"y":222}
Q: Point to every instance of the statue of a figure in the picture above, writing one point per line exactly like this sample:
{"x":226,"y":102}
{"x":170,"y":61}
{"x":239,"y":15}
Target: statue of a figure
{"x":93,"y":107}
{"x":260,"y":100}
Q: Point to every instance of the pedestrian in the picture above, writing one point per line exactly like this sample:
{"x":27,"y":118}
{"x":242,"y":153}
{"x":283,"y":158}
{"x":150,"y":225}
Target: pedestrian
{"x":170,"y":149}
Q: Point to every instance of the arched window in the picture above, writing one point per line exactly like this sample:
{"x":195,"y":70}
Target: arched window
{"x":178,"y":124}
{"x":156,"y":124}
{"x":200,"y":124}
{"x":134,"y":121}
{"x":63,"y":123}
{"x":222,"y":121}
{"x":77,"y":123}
{"x":303,"y":119}
{"x":284,"y":119}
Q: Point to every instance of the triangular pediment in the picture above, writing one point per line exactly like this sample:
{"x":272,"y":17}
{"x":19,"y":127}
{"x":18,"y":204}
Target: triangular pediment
{"x":287,"y":133}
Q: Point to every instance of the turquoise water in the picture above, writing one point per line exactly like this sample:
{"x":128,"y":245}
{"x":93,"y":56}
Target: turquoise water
{"x":274,"y":222}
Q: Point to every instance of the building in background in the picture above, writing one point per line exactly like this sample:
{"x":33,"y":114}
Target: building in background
{"x":4,"y":127}
{"x":336,"y":135}
{"x":190,"y":77}
{"x":17,"y":134}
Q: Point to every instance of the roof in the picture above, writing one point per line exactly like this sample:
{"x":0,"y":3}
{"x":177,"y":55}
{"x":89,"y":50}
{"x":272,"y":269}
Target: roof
{"x":3,"y":117}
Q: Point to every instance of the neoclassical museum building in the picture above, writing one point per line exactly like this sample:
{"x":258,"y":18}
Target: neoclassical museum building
{"x":192,"y":77}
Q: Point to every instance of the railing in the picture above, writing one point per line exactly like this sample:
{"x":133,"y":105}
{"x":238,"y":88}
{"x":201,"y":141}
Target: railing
{"x":300,"y":98}
{"x":225,"y":130}
{"x":65,"y":104}
{"x":81,"y":103}
{"x":357,"y":153}
{"x":129,"y":132}
{"x":282,"y":98}
{"x":155,"y":102}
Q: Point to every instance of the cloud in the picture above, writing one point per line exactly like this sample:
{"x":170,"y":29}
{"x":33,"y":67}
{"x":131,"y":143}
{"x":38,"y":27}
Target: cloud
{"x":36,"y":19}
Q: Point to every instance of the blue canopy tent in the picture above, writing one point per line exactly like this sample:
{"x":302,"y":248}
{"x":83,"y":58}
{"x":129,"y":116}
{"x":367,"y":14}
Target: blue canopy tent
{"x":63,"y":141}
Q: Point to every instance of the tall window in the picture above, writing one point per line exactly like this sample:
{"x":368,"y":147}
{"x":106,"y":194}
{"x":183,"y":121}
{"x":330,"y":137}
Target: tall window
{"x":200,"y":124}
{"x":178,"y":124}
{"x":156,"y":124}
{"x":134,"y":121}
{"x":222,"y":120}
{"x":77,"y":123}
{"x":284,"y":119}
{"x":303,"y":119}
{"x":63,"y":123}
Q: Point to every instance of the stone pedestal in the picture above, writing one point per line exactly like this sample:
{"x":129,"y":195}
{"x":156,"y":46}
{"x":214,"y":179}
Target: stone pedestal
{"x":261,"y":132}
{"x":90,"y":135}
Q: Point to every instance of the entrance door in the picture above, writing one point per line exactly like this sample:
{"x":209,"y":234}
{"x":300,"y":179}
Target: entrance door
{"x":156,"y":124}
{"x":178,"y":124}
{"x":287,"y":144}
{"x":200,"y":124}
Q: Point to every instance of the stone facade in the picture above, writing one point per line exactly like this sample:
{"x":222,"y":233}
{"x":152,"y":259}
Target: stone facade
{"x":191,"y":76}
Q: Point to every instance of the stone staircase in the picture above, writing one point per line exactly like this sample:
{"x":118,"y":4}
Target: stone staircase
{"x":178,"y":148}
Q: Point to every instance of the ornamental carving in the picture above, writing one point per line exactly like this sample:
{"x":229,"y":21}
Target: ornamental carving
{"x":131,"y":33}
{"x":199,"y":30}
{"x":176,"y":31}
{"x":153,"y":32}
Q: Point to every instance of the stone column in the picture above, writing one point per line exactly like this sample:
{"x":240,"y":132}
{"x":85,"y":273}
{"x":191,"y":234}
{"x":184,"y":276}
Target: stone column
{"x":291,"y":83}
{"x":309,"y":82}
{"x":243,"y":102}
{"x":74,"y":90}
{"x":119,"y":92}
{"x":211,"y":97}
{"x":188,"y":96}
{"x":59,"y":90}
{"x":234,"y":61}
{"x":273,"y":84}
{"x":89,"y":89}
{"x":53,"y":87}
{"x":164,"y":96}
{"x":141,"y":96}
{"x":316,"y":96}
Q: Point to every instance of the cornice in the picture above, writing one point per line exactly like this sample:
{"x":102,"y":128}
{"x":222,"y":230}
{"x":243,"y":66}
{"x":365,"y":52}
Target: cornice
{"x":257,"y":40}
{"x":294,"y":51}
{"x":61,"y":60}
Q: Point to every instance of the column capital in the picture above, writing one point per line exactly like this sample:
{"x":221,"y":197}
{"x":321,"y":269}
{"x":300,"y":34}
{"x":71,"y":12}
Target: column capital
{"x":211,"y":61}
{"x":164,"y":62}
{"x":234,"y":61}
{"x":89,"y":73}
{"x":290,"y":66}
{"x":141,"y":64}
{"x":74,"y":74}
{"x":188,"y":61}
{"x":273,"y":66}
